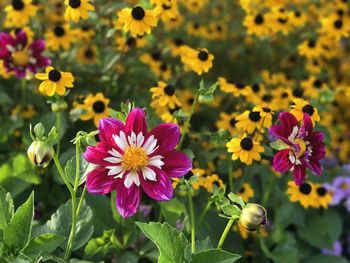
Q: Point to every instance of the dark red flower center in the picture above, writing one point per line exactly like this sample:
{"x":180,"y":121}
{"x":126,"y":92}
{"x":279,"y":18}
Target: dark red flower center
{"x":305,"y":188}
{"x":311,"y":43}
{"x":297,"y":13}
{"x":317,"y":83}
{"x":233,"y":122}
{"x":203,"y":55}
{"x":74,"y":3}
{"x":54,"y":75}
{"x":98,"y":106}
{"x":17,"y":5}
{"x":59,"y":31}
{"x":308,"y":109}
{"x":138,"y":13}
{"x":254,"y":116}
{"x":178,"y":42}
{"x":169,"y":90}
{"x":298,"y":93}
{"x":89,"y":53}
{"x":259,"y":19}
{"x":131,"y":42}
{"x":256,"y":88}
{"x":163,"y":67}
{"x":246,"y":144}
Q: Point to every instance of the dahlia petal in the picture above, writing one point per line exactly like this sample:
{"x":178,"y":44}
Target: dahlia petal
{"x":131,"y":179}
{"x":98,"y":182}
{"x":128,"y":199}
{"x":37,"y":47}
{"x":149,"y":174}
{"x":281,"y":161}
{"x":299,"y":174}
{"x":97,"y":154}
{"x":156,"y":161}
{"x":315,"y":167}
{"x":21,"y":38}
{"x":307,"y":124}
{"x":288,"y":120}
{"x":160,"y":190}
{"x":136,"y":122}
{"x":167,"y":135}
{"x":279,"y":132}
{"x":107,"y":127}
{"x":151,"y":145}
{"x":176,"y":164}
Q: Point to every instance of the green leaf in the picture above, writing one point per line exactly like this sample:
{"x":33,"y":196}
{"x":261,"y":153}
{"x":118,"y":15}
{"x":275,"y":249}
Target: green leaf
{"x":44,"y":243}
{"x":231,"y":210}
{"x":236,"y":199}
{"x":326,"y":259}
{"x":170,"y":243}
{"x":17,"y":233}
{"x":279,"y":145}
{"x":214,"y":255}
{"x":85,"y":168}
{"x":6,"y":208}
{"x":60,"y":224}
{"x":172,"y":210}
{"x":200,"y":246}
{"x":206,"y":95}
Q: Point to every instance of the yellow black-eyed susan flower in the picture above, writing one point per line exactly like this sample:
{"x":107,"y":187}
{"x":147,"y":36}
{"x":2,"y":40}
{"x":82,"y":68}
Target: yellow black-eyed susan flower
{"x":86,"y":32}
{"x":19,"y":13}
{"x":335,"y":26}
{"x":95,"y":107}
{"x":266,"y":115}
{"x":164,"y":95}
{"x":166,"y":9}
{"x":324,"y":197}
{"x":211,"y":180}
{"x":300,"y":106}
{"x":246,"y":192}
{"x":54,"y":81}
{"x":313,"y":86}
{"x":249,"y":121}
{"x":87,"y":54}
{"x":60,"y":36}
{"x":237,"y":88}
{"x":245,"y":148}
{"x":304,"y":194}
{"x":125,"y":44}
{"x":200,"y":60}
{"x":227,"y":122}
{"x":175,"y":46}
{"x":257,"y":25}
{"x":77,"y":9}
{"x":310,"y":49}
{"x":137,"y":20}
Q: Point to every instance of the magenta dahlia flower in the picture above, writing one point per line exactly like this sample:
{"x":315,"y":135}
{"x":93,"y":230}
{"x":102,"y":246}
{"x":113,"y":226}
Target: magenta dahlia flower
{"x":301,"y":146}
{"x":131,"y":160}
{"x":19,"y":55}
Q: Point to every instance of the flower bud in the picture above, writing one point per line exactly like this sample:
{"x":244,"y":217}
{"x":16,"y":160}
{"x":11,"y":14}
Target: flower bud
{"x":58,"y":106}
{"x":40,"y":153}
{"x":253,"y":216}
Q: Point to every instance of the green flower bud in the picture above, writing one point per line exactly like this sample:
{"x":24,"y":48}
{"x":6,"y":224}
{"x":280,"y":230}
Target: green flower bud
{"x":40,"y":153}
{"x":253,"y":216}
{"x":58,"y":106}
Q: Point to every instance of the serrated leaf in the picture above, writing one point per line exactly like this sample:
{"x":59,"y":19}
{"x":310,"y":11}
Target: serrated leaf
{"x":44,"y":243}
{"x":200,"y":246}
{"x":172,"y":210}
{"x":170,"y":243}
{"x":279,"y":145}
{"x":17,"y":233}
{"x":6,"y":208}
{"x":215,"y":255}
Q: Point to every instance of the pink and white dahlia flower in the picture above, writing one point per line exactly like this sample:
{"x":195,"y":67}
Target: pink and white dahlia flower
{"x":130,"y":160}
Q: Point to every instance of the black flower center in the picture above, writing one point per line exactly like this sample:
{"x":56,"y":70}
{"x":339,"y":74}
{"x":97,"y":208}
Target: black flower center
{"x":138,"y":13}
{"x":166,"y":7}
{"x":163,"y":67}
{"x":267,"y":98}
{"x":317,"y":83}
{"x":246,"y":144}
{"x":233,"y":122}
{"x":298,"y":93}
{"x":305,"y":188}
{"x":89,"y":53}
{"x":98,"y":106}
{"x":308,"y":109}
{"x":266,"y":109}
{"x":178,"y":42}
{"x":282,"y":20}
{"x":203,"y":55}
{"x":255,"y":88}
{"x":254,"y":116}
{"x":131,"y":42}
{"x":340,"y":12}
{"x":242,"y":190}
{"x":297,"y":13}
{"x":188,"y":175}
{"x":59,"y":31}
{"x":155,"y":55}
{"x":85,"y":28}
{"x":259,"y":19}
{"x":169,"y":90}
{"x":74,"y":3}
{"x":17,"y":4}
{"x":190,"y":101}
{"x":311,"y":43}
{"x":338,"y":24}
{"x":284,"y":95}
{"x":54,"y":75}
{"x":321,"y":191}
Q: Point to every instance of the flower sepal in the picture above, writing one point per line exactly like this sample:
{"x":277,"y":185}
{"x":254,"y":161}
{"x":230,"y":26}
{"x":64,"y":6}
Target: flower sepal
{"x":279,"y":145}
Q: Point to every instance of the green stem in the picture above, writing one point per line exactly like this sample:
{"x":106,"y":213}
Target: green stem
{"x":230,"y":175}
{"x":77,"y":164}
{"x":226,"y":230}
{"x":23,"y":90}
{"x":205,"y":211}
{"x":62,"y":174}
{"x":58,"y":128}
{"x":69,"y":247}
{"x":268,"y":190}
{"x":264,"y":248}
{"x":187,"y":123}
{"x":192,"y":220}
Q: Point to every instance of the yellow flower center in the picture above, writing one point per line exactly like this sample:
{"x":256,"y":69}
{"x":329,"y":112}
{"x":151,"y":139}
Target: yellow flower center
{"x":302,"y":147}
{"x":344,"y":186}
{"x":134,"y":158}
{"x":20,"y":58}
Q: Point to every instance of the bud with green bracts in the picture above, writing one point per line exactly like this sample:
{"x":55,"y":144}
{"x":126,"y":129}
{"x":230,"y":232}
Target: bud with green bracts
{"x":40,"y":153}
{"x":253,"y":216}
{"x":59,"y":105}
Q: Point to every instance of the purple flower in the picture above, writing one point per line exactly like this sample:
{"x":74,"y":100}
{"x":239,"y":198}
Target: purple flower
{"x":336,"y":250}
{"x":340,"y":189}
{"x":302,"y":147}
{"x":19,"y":55}
{"x":132,"y":160}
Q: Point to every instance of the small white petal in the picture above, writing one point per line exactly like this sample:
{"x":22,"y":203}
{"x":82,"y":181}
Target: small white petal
{"x":151,"y":145}
{"x":149,"y":174}
{"x":115,"y":170}
{"x":115,"y":153}
{"x":139,"y":139}
{"x":294,"y":133}
{"x":156,"y":161}
{"x":112,"y":159}
{"x":131,"y":178}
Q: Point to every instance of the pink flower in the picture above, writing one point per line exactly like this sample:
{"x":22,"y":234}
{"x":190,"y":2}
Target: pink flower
{"x":301,"y":147}
{"x":131,"y":160}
